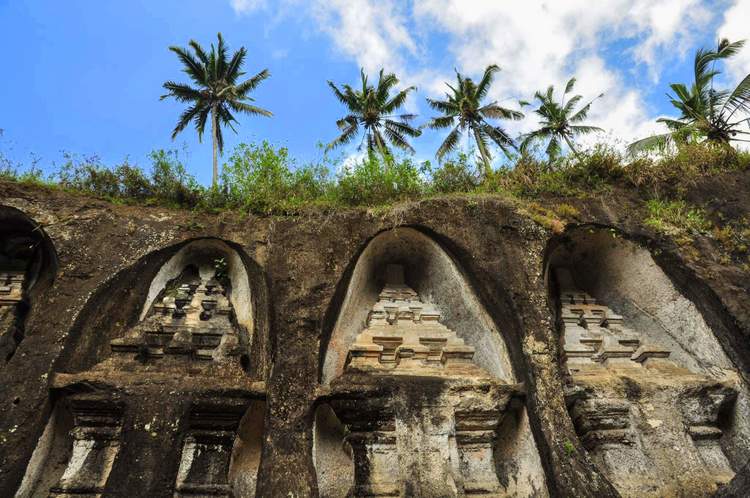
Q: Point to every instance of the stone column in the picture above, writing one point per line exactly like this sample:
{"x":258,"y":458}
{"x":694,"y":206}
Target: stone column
{"x":605,"y":429}
{"x":372,"y":436}
{"x":475,"y":436}
{"x":96,"y":443}
{"x":701,"y":409}
{"x":207,"y":449}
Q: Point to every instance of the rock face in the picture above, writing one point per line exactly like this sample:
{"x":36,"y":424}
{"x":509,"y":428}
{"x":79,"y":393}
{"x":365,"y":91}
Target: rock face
{"x":449,"y":348}
{"x":631,"y":405}
{"x":419,"y":417}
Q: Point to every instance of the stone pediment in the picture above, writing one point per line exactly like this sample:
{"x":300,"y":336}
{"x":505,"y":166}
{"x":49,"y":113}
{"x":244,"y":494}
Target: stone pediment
{"x":404,"y":336}
{"x":194,"y":321}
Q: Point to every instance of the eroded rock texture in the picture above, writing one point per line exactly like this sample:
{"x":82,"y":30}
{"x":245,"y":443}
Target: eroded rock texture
{"x":26,"y":258}
{"x":653,"y":397}
{"x":420,"y":417}
{"x":451,"y":347}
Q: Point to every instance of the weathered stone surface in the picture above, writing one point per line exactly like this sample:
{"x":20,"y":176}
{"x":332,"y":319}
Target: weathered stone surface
{"x":654,"y":426}
{"x":299,"y":269}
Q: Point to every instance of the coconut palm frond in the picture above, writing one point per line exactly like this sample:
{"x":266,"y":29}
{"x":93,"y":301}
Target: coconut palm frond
{"x":373,"y":109}
{"x":464,"y":110}
{"x":216,"y":94}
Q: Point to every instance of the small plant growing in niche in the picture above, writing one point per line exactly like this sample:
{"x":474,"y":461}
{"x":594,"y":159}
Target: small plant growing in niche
{"x":569,"y":448}
{"x":220,"y":265}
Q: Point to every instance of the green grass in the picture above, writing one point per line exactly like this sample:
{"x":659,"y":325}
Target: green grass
{"x":261,"y":178}
{"x":676,"y":217}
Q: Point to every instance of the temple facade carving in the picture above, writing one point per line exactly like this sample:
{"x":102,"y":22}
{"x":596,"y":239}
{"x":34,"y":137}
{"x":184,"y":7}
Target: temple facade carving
{"x":192,"y":319}
{"x":159,"y":380}
{"x":96,"y":435}
{"x":404,"y":335}
{"x":16,"y":265}
{"x":653,"y":426}
{"x":207,"y":449}
{"x":420,"y":416}
{"x":191,"y":337}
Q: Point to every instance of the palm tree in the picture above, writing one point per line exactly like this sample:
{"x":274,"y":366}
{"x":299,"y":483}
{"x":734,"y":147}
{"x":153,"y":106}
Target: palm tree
{"x":706,"y":114}
{"x":374,"y":109}
{"x":559,"y":121}
{"x":464,"y":111}
{"x":218,"y":92}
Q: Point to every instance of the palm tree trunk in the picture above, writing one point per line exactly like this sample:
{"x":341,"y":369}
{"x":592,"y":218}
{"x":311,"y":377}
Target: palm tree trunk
{"x":215,"y":178}
{"x":483,"y":153}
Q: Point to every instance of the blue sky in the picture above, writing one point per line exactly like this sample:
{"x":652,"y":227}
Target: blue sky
{"x":85,"y":76}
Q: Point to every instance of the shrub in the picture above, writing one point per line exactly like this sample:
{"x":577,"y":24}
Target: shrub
{"x":88,"y":174}
{"x":566,"y":210}
{"x":264,"y":179}
{"x":455,"y":175}
{"x":33,"y":175}
{"x":133,"y":183}
{"x":593,"y":168}
{"x":376,"y":180}
{"x":170,"y":182}
{"x":734,"y":236}
{"x":260,"y":178}
{"x":675,"y":171}
{"x":529,"y":177}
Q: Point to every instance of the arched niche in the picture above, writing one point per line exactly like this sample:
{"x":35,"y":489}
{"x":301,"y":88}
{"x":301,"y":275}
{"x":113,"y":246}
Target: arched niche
{"x":198,"y":306}
{"x":422,"y":399}
{"x":624,"y":276}
{"x":637,"y":348}
{"x":203,"y":254}
{"x":28,"y":263}
{"x":246,"y":452}
{"x":126,"y":307}
{"x":433,"y":274}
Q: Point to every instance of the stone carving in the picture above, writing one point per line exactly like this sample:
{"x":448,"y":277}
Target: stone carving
{"x":402,"y":446}
{"x":701,"y":408}
{"x":193,"y":319}
{"x":96,"y":442}
{"x":475,"y":438}
{"x":650,"y":424}
{"x":11,"y":287}
{"x":16,"y":253}
{"x":405,"y":336}
{"x":372,"y":437}
{"x":207,"y":449}
{"x":180,"y":373}
{"x":421,"y":416}
{"x":603,"y":422}
{"x":594,"y":333}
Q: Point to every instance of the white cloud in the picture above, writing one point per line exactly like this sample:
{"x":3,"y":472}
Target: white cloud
{"x":736,"y":26}
{"x":373,"y":33}
{"x":668,"y":25}
{"x":536,"y":42}
{"x":247,"y":6}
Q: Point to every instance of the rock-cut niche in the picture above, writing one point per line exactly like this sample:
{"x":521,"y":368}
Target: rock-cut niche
{"x":653,"y":397}
{"x":27,"y":266}
{"x":195,"y":308}
{"x":198,"y":307}
{"x":196,"y":323}
{"x":422,"y":397}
